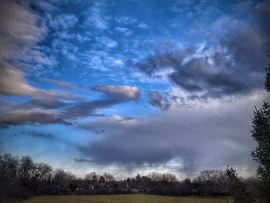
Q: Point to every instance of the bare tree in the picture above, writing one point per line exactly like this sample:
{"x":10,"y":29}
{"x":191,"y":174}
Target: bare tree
{"x":26,"y":170}
{"x":108,"y":177}
{"x":61,"y":180}
{"x":9,"y":167}
{"x":212,"y":182}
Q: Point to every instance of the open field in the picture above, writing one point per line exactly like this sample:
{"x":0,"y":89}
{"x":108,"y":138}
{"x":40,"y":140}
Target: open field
{"x":136,"y":198}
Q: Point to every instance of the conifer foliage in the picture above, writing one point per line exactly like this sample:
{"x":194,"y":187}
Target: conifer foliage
{"x":240,"y":193}
{"x":261,"y":134}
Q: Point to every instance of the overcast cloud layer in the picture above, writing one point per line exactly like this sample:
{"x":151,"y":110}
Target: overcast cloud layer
{"x":168,"y":85}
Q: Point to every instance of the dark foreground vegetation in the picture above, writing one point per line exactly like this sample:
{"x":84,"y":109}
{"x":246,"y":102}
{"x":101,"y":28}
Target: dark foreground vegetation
{"x":21,"y":177}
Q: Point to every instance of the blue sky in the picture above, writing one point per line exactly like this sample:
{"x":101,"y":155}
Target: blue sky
{"x":132,"y":86}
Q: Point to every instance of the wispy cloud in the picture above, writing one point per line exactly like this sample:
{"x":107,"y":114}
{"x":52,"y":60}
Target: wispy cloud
{"x":81,"y":160}
{"x":143,"y":26}
{"x":62,"y":21}
{"x":126,"y":20}
{"x":62,"y":84}
{"x":124,"y":31}
{"x":110,"y":43}
{"x":122,"y":92}
{"x":95,"y":17}
{"x":42,"y":135}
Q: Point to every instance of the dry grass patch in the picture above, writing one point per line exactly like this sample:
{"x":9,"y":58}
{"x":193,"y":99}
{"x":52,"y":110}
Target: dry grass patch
{"x":134,"y":198}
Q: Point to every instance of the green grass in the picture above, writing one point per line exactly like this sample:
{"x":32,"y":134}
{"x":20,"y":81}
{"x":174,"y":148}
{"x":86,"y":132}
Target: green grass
{"x":134,"y":198}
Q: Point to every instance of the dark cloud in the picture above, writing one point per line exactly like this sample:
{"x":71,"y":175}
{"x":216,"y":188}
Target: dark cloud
{"x":120,"y":92}
{"x":45,"y":102}
{"x":46,"y":110}
{"x":197,"y":138}
{"x":262,"y":15}
{"x":42,"y":135}
{"x":30,"y":116}
{"x":85,"y":109}
{"x":214,"y":80}
{"x":160,"y":100}
{"x":234,"y":67}
{"x":159,"y":61}
{"x":38,"y":110}
{"x":114,"y":95}
{"x":84,"y":160}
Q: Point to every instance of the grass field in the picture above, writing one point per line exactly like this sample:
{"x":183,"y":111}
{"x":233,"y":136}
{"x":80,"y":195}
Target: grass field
{"x":137,"y":198}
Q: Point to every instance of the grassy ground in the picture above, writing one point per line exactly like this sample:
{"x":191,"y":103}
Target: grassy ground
{"x":137,"y":198}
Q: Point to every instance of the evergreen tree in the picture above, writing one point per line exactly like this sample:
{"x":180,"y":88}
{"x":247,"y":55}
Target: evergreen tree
{"x":261,"y":134}
{"x":240,"y":193}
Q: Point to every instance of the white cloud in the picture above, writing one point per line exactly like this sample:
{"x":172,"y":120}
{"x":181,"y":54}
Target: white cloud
{"x":143,"y":26}
{"x":95,"y":17}
{"x":107,"y":41}
{"x":118,"y":62}
{"x":62,"y":21}
{"x":125,"y":31}
{"x":126,"y":20}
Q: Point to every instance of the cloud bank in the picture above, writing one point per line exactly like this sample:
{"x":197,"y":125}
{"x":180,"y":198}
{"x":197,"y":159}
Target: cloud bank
{"x":213,"y":135}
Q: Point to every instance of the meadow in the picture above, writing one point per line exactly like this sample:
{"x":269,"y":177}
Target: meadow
{"x":133,"y":198}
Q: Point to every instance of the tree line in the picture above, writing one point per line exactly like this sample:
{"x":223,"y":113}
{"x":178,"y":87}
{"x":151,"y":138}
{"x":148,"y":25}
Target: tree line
{"x":21,"y":177}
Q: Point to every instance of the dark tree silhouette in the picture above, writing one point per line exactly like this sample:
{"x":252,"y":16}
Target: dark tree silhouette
{"x":261,"y":134}
{"x":212,"y":182}
{"x":240,"y":193}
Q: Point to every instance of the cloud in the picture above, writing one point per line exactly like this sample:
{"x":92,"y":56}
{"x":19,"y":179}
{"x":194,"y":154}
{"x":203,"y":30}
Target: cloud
{"x":20,"y":30}
{"x":13,"y":83}
{"x":123,"y":30}
{"x":30,"y":116}
{"x":62,"y":84}
{"x":121,"y":92}
{"x":233,"y":67}
{"x":95,"y":17}
{"x":160,"y":100}
{"x":64,"y":35}
{"x":143,"y":26}
{"x":83,"y":160}
{"x":11,"y":75}
{"x":126,"y":20}
{"x":42,"y":135}
{"x":17,"y":28}
{"x":42,"y":102}
{"x":114,"y":95}
{"x":107,"y":42}
{"x":62,"y":21}
{"x":159,"y":61}
{"x":85,"y":109}
{"x":210,"y":136}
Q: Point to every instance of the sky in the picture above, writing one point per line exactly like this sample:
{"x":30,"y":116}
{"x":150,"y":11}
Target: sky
{"x":133,"y":86}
